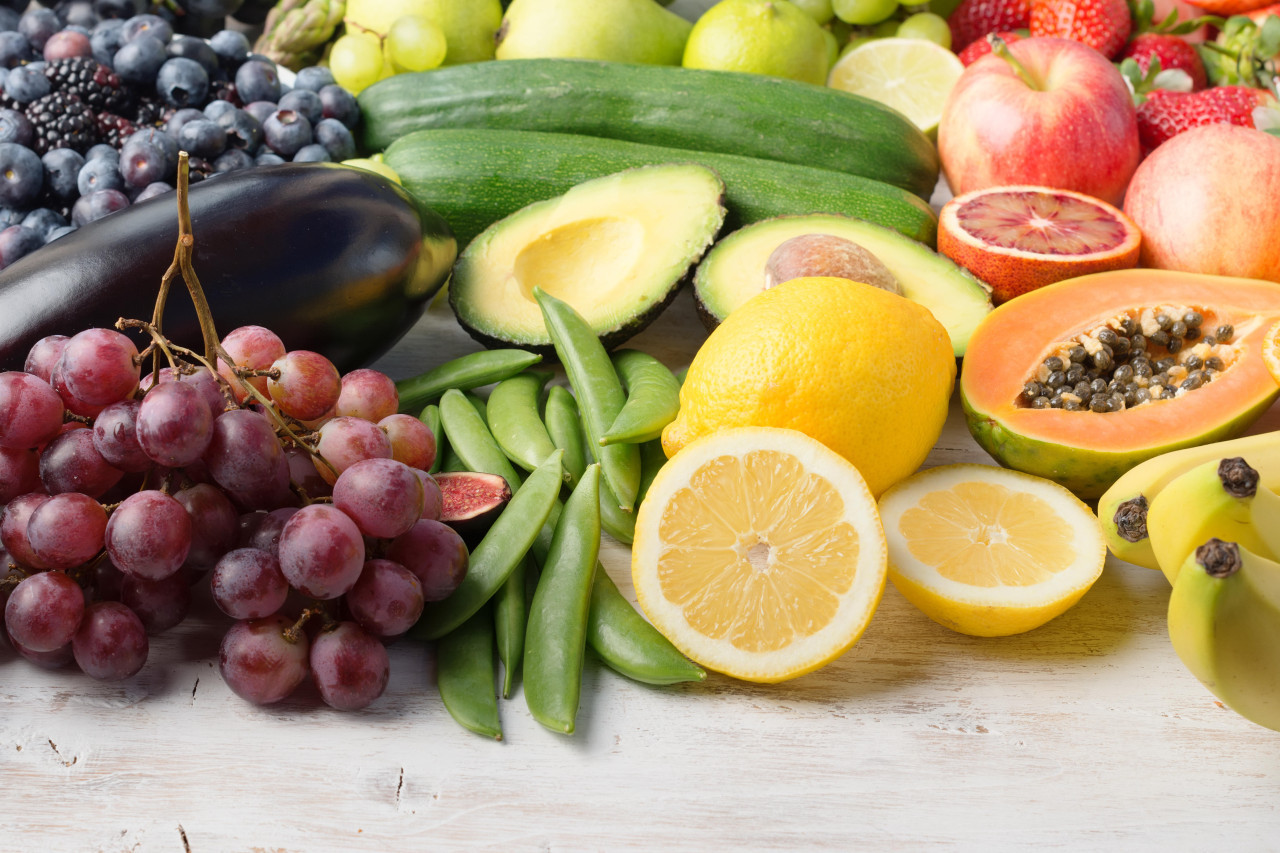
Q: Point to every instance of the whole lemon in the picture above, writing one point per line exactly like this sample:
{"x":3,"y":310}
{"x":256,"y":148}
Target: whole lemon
{"x":771,"y":37}
{"x":862,"y":370}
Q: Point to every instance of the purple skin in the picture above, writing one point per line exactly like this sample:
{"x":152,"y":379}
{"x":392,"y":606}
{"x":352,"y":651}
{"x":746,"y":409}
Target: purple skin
{"x":17,"y":241}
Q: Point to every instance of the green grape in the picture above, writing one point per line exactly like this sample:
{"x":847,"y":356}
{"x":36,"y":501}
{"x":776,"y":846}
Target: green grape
{"x":415,"y":43}
{"x":927,"y":26}
{"x":864,"y":12}
{"x":819,"y":10}
{"x":356,"y":61}
{"x":886,"y":29}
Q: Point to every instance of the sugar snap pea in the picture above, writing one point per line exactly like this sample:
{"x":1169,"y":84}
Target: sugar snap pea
{"x":465,"y":675}
{"x":465,"y":372}
{"x":619,"y":523}
{"x":499,"y":553}
{"x":652,"y":458}
{"x":514,"y":420}
{"x":470,"y":437}
{"x":564,"y":425}
{"x":431,"y":417}
{"x":557,"y":635}
{"x":628,"y":644}
{"x":653,"y":398}
{"x":599,"y":392}
{"x":479,"y":403}
{"x":449,"y":460}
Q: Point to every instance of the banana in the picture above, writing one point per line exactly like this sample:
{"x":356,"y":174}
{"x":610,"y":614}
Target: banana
{"x":1217,"y":499}
{"x":1224,"y":623}
{"x":1123,"y":508}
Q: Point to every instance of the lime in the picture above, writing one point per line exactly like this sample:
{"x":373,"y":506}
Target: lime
{"x":759,"y":36}
{"x":911,"y":75}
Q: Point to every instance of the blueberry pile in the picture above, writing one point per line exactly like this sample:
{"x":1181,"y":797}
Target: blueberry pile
{"x":96,"y":101}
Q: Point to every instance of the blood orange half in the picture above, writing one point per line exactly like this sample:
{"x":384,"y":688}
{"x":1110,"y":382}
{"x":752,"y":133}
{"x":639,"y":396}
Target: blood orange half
{"x":1020,"y":238}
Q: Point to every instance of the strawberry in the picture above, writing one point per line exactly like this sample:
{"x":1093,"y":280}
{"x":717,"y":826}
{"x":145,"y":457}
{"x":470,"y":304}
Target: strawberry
{"x":1166,"y":114}
{"x":1104,"y":25}
{"x":1172,"y":51}
{"x":979,"y":48}
{"x":1259,"y":15}
{"x":973,"y":19}
{"x":1227,"y":8}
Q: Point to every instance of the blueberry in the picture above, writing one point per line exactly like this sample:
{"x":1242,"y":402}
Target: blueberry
{"x":119,"y":9}
{"x":231,"y":46}
{"x":243,"y":130}
{"x":142,"y":163}
{"x":42,"y":220}
{"x":17,"y":241}
{"x":180,"y":118}
{"x":148,"y":25}
{"x":100,"y":150}
{"x":58,"y":232}
{"x":26,"y":83}
{"x":10,"y":216}
{"x":261,"y":110}
{"x":313,"y":78}
{"x":269,"y":158}
{"x":335,"y":138}
{"x":9,"y":19}
{"x":152,"y":190}
{"x":305,"y":102}
{"x":99,"y":174}
{"x":139,"y":60}
{"x":106,"y":38}
{"x":214,"y":109}
{"x":79,"y":14}
{"x":313,"y":153}
{"x":182,"y":82}
{"x":15,"y":127}
{"x":286,"y":132}
{"x":37,"y":24}
{"x":340,"y":104}
{"x":21,"y":176}
{"x":61,"y":173}
{"x":162,"y":140}
{"x":196,"y":49}
{"x":97,"y":204}
{"x":231,"y":160}
{"x":258,"y":81}
{"x":15,"y":50}
{"x":203,"y":138}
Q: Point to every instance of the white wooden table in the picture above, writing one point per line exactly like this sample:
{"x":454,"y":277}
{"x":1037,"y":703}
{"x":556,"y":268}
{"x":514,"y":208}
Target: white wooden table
{"x":1084,"y":734}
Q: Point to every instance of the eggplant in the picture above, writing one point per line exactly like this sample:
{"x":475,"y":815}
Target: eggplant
{"x":331,"y":258}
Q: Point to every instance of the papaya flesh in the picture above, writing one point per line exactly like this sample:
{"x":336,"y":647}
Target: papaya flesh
{"x":1088,"y":450}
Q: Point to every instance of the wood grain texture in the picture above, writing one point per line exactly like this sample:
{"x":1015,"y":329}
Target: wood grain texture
{"x":1084,"y":734}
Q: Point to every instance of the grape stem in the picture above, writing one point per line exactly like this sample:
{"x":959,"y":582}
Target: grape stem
{"x":293,"y":633}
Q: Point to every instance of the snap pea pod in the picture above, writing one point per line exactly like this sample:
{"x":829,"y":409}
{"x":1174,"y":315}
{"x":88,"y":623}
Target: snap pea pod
{"x":431,"y":417}
{"x":618,"y":523}
{"x":514,"y":420}
{"x":598,"y":389}
{"x":628,"y":644}
{"x":499,"y":553}
{"x":652,"y":458}
{"x":479,"y":404}
{"x":653,"y":398}
{"x":465,"y":372}
{"x":449,"y":460}
{"x":564,"y":425}
{"x":470,"y":436}
{"x":557,"y":636}
{"x":465,"y":675}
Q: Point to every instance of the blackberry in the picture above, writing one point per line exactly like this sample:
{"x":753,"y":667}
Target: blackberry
{"x":62,"y":120}
{"x":149,"y":113}
{"x":114,"y":129}
{"x":92,"y":82}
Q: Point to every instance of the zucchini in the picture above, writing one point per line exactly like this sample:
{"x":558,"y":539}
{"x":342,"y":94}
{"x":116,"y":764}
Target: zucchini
{"x":476,"y":177}
{"x":730,"y":113}
{"x":331,"y":258}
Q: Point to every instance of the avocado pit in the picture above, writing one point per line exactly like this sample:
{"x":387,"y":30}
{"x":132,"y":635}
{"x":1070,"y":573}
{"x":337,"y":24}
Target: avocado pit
{"x":827,"y":255}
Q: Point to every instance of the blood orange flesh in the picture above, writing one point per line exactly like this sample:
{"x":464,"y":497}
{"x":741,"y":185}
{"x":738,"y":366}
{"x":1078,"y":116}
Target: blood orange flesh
{"x":1018,"y":239}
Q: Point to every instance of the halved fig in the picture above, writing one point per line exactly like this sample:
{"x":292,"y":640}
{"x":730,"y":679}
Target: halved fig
{"x":471,"y":502}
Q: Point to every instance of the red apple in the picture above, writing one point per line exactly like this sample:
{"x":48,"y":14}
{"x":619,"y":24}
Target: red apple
{"x":1205,"y":203}
{"x":1045,"y":111}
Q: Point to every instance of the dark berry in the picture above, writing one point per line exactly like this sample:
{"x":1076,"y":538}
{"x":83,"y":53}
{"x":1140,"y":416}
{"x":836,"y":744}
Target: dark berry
{"x":203,"y":138}
{"x":336,"y":139}
{"x":15,"y":50}
{"x":231,"y":46}
{"x":99,"y":174}
{"x":92,"y":82}
{"x":340,"y":104}
{"x":258,"y":81}
{"x":42,"y":220}
{"x":38,"y":25}
{"x":182,"y":82}
{"x":231,"y":160}
{"x":268,"y":158}
{"x":243,"y":130}
{"x":142,"y":163}
{"x":261,"y":110}
{"x":313,"y":153}
{"x":173,"y":126}
{"x":61,"y":173}
{"x":66,"y":44}
{"x":313,"y":78}
{"x":106,"y":38}
{"x":62,"y":120}
{"x":17,"y":241}
{"x":305,"y":103}
{"x":286,"y":132}
{"x":27,"y":83}
{"x":21,"y":176}
{"x":152,"y":190}
{"x":196,"y":49}
{"x":58,"y":232}
{"x":148,"y":25}
{"x":139,"y":60}
{"x":215,"y":109}
{"x":119,"y":8}
{"x":15,"y":127}
{"x":97,"y":204}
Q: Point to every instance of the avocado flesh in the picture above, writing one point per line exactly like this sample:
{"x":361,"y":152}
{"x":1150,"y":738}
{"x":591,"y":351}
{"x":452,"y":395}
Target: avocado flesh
{"x":734,"y":270}
{"x":616,"y":248}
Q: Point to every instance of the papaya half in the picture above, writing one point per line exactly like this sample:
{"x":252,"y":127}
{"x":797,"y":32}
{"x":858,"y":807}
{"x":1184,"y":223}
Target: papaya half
{"x":333,"y":259}
{"x":1082,"y":380}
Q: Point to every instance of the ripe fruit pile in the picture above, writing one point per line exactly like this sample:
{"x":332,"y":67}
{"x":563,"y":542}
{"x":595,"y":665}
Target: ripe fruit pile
{"x":264,"y":465}
{"x":94,"y":111}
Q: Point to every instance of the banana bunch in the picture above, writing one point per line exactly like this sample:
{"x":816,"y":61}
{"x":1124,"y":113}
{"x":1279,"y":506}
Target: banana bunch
{"x":1215,"y":532}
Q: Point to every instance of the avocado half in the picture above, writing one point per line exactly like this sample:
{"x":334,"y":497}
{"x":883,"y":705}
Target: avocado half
{"x":616,"y":248}
{"x":734,"y":270}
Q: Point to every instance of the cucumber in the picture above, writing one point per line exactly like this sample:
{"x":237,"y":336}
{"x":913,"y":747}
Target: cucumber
{"x":726,"y":112}
{"x":331,"y":258}
{"x":473,"y":178}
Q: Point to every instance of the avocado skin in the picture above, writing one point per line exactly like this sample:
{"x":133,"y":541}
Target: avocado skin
{"x":332,"y":259}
